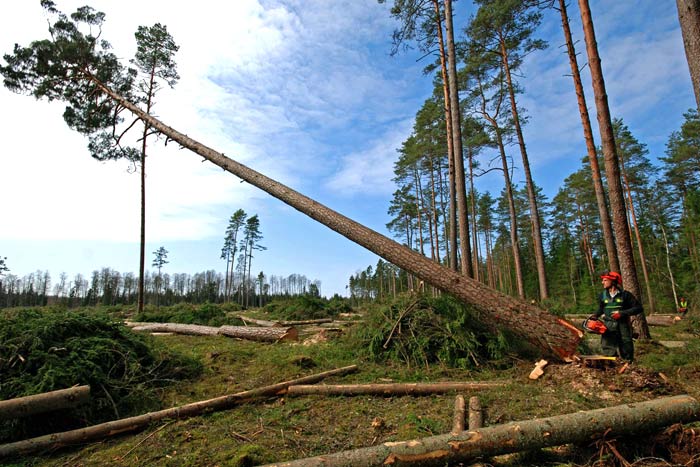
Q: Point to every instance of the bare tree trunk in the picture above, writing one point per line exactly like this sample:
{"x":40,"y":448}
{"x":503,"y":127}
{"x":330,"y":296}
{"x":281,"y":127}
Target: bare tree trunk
{"x":44,"y":402}
{"x":530,"y":185}
{"x":476,"y":414}
{"x":606,"y":224}
{"x":450,"y":150}
{"x":579,"y":427}
{"x":391,"y":389}
{"x":550,"y":334}
{"x":123,"y":425}
{"x":458,"y":419}
{"x":612,"y":169}
{"x":689,"y":19}
{"x":260,"y":334}
{"x":462,"y":213}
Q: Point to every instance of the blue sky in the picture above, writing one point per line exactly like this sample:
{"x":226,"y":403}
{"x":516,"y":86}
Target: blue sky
{"x":306,"y":93}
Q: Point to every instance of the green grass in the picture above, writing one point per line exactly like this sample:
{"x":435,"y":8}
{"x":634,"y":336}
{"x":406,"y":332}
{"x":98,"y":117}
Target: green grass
{"x":284,"y":428}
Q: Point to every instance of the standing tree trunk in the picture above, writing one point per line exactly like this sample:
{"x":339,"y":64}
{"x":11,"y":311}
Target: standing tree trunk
{"x":689,"y":19}
{"x":552,"y":335}
{"x":612,"y":169}
{"x":606,"y":224}
{"x":463,"y":216}
{"x":450,"y":149}
{"x":531,"y":194}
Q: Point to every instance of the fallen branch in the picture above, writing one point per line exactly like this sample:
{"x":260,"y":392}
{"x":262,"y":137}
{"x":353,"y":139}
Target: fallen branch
{"x":579,"y":427}
{"x":103,"y":430}
{"x":44,"y":402}
{"x":390,"y":389}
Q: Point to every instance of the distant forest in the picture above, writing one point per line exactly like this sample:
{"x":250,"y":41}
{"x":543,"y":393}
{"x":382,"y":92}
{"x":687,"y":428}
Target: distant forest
{"x":110,"y":287}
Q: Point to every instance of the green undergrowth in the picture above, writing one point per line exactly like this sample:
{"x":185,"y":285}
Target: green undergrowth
{"x":286,"y":427}
{"x":306,"y":306}
{"x":207,"y":314}
{"x":43,"y":350}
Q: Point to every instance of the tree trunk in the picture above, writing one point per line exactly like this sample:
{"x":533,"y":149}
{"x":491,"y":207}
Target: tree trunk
{"x":606,"y":225}
{"x":450,"y":150}
{"x":661,"y":320}
{"x":391,"y":389}
{"x":460,"y":187}
{"x":458,"y":419}
{"x":45,"y":402}
{"x":260,"y":334}
{"x":552,"y":335}
{"x":579,"y":427}
{"x":476,"y":414}
{"x":530,"y":185}
{"x":177,"y":328}
{"x":104,"y":430}
{"x":612,"y":169}
{"x":689,"y":19}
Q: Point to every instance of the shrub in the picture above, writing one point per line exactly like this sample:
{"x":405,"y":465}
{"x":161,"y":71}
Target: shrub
{"x":47,"y":350}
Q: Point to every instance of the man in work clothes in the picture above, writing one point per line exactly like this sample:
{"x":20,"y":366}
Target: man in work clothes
{"x":616,"y":306}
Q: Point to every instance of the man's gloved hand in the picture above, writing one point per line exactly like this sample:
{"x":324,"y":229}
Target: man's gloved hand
{"x":617,"y":315}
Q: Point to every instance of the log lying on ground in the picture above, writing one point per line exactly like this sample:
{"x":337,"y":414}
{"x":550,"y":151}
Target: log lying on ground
{"x":123,"y":425}
{"x":579,"y":427}
{"x":459,"y":416}
{"x":661,"y":320}
{"x":476,"y":413}
{"x":305,"y":322}
{"x":553,"y":335}
{"x":259,"y":322}
{"x":390,"y":389}
{"x":44,"y":402}
{"x":260,"y":334}
{"x":178,"y":328}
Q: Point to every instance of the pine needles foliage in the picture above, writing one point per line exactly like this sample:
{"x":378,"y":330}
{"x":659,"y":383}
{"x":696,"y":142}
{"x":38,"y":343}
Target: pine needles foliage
{"x":44,"y":350}
{"x":418,"y":330}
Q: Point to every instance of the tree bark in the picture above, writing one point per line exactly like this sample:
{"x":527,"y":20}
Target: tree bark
{"x":552,"y":335}
{"x":460,"y":186}
{"x":390,"y":389}
{"x":689,"y":19}
{"x":606,"y":225}
{"x":459,"y":416}
{"x":260,"y":334}
{"x":177,"y":328}
{"x":661,"y":320}
{"x":104,"y":430}
{"x":476,"y":414}
{"x":44,"y":402}
{"x":612,"y":169}
{"x":579,"y":427}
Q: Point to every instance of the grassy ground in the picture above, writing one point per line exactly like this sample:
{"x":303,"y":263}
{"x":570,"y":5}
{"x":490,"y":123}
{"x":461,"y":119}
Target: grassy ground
{"x":286,"y":428}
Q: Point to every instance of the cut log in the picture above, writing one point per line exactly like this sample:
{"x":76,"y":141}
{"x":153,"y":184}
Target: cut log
{"x":115,"y":427}
{"x":305,"y":322}
{"x":579,"y":427}
{"x":44,"y":402}
{"x":259,"y":322}
{"x":553,"y":335}
{"x":259,"y":333}
{"x":390,"y":389}
{"x":459,"y":414}
{"x":661,"y":320}
{"x":178,"y":328}
{"x":476,"y":414}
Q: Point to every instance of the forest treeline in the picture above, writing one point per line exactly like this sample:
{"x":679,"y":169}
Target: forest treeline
{"x":109,"y":287}
{"x":639,"y":215}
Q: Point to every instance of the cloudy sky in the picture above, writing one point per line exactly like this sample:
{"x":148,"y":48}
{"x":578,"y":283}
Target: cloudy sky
{"x":306,"y":92}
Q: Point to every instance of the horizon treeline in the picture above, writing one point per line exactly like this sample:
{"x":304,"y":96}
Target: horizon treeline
{"x":109,"y":287}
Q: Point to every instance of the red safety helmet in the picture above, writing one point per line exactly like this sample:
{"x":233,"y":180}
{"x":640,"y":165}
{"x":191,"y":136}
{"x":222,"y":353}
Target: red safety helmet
{"x":613,"y":276}
{"x":594,"y":325}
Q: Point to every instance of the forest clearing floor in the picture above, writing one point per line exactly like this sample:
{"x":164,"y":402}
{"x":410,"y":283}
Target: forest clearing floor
{"x":284,"y":428}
